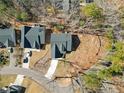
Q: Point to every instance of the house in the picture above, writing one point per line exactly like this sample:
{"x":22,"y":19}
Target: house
{"x":89,"y":1}
{"x":13,"y":89}
{"x":65,"y":5}
{"x":7,"y":38}
{"x":60,"y":44}
{"x":3,"y":91}
{"x":85,"y":2}
{"x":32,"y":37}
{"x":16,"y":89}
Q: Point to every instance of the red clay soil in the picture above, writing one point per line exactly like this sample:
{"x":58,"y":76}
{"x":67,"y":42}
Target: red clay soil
{"x":91,"y":49}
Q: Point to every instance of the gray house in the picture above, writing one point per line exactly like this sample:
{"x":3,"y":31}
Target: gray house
{"x":89,"y":1}
{"x":7,"y":38}
{"x":65,"y":5}
{"x":13,"y":89}
{"x":32,"y":37}
{"x":3,"y":91}
{"x":61,"y":44}
{"x":16,"y":89}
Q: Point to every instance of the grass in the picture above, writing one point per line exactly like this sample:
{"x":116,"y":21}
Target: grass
{"x":5,"y":80}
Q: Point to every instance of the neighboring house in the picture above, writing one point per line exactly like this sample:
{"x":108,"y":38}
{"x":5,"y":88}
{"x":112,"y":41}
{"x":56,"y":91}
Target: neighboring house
{"x":85,"y":2}
{"x":89,"y":1}
{"x":32,"y":37}
{"x":61,"y":44}
{"x":66,"y":5}
{"x":3,"y":91}
{"x":16,"y":89}
{"x":13,"y":89}
{"x":99,"y":3}
{"x":7,"y":38}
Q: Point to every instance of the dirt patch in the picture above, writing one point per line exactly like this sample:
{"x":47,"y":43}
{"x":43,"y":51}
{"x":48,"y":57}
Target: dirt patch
{"x":32,"y":87}
{"x":36,"y":56}
{"x":6,"y":80}
{"x":63,"y":70}
{"x":91,"y":49}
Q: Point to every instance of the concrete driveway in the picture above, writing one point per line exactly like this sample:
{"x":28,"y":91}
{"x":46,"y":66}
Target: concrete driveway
{"x":20,"y":78}
{"x":52,"y":68}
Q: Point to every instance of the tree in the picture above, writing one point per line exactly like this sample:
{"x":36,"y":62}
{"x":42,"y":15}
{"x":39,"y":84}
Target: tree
{"x":24,"y":16}
{"x":2,"y":7}
{"x":117,"y":59}
{"x":92,"y":10}
{"x":92,"y":81}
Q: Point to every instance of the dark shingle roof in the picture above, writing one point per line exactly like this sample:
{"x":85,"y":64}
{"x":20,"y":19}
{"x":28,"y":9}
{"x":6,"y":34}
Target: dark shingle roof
{"x":7,"y":37}
{"x":32,"y":37}
{"x":61,"y":44}
{"x":3,"y":91}
{"x":14,"y":89}
{"x":89,"y":1}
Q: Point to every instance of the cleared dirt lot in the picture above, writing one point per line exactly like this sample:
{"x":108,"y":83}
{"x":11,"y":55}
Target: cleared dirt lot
{"x":91,"y":49}
{"x":32,"y":86}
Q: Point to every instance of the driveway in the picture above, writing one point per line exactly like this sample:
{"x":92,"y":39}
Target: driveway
{"x":52,"y":68}
{"x":12,"y":58}
{"x":20,"y":78}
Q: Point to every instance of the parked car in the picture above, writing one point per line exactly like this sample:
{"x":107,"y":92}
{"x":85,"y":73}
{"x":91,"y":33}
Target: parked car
{"x":30,"y":53}
{"x":10,"y":50}
{"x":25,"y":60}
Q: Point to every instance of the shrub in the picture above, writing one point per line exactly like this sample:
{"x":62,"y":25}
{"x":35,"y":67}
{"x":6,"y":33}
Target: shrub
{"x":92,"y":81}
{"x":81,"y":22}
{"x":92,"y":10}
{"x":2,"y":7}
{"x":22,"y":16}
{"x":104,"y":74}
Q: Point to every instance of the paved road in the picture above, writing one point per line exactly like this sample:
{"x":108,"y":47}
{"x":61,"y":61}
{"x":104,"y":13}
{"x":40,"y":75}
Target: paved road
{"x":53,"y":87}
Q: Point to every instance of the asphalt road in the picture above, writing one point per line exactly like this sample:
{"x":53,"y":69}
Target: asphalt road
{"x":52,"y":87}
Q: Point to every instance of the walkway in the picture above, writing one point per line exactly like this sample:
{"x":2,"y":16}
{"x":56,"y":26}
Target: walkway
{"x":12,"y":58}
{"x":52,"y":68}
